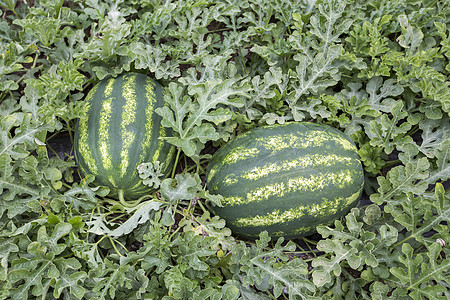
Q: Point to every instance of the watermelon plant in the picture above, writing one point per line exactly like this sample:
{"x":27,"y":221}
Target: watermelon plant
{"x":374,"y":71}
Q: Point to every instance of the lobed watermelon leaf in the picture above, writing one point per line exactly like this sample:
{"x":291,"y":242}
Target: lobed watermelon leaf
{"x":384,"y":132}
{"x":41,"y":269}
{"x":183,"y":187}
{"x":259,"y":265}
{"x":433,"y":139}
{"x":401,"y":179}
{"x":152,"y":58}
{"x":413,"y":276}
{"x":193,"y":120}
{"x":150,"y":174}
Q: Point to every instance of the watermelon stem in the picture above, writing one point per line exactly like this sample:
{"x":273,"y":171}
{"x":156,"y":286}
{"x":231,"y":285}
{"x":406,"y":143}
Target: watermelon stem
{"x":176,"y":163}
{"x":52,"y":150}
{"x":401,"y":242}
{"x":68,"y":186}
{"x":309,"y":247}
{"x":300,"y":247}
{"x":69,"y":129}
{"x":175,"y":232}
{"x":207,"y":209}
{"x":197,"y":166}
{"x":413,"y":130}
{"x":391,"y":163}
{"x":121,"y":197}
{"x":114,"y":246}
{"x":132,"y":204}
{"x":113,"y":243}
{"x":242,"y":58}
{"x":126,"y":204}
{"x":309,"y":241}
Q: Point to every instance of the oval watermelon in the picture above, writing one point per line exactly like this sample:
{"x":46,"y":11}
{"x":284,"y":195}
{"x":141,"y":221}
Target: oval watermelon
{"x":285,"y":179}
{"x":119,"y":131}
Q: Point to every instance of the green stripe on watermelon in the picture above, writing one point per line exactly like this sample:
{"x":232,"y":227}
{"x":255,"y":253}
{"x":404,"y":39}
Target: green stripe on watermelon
{"x":120,"y":131}
{"x":290,"y":173}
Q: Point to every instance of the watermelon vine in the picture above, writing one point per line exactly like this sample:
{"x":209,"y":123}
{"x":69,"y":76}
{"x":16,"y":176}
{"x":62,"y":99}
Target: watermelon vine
{"x":375,"y":71}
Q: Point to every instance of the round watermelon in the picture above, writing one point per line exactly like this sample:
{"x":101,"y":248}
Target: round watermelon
{"x":121,"y":130}
{"x":285,"y":179}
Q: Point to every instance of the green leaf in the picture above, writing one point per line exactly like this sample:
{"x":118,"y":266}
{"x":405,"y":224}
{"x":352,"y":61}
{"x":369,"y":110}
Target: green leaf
{"x":413,"y":277}
{"x":416,"y":206}
{"x":33,"y":278}
{"x":16,"y":194}
{"x":322,"y":75}
{"x":106,"y":38}
{"x":385,"y":132}
{"x":97,"y":225}
{"x":401,"y":179}
{"x":25,"y":135}
{"x":195,"y":141}
{"x":167,"y":218}
{"x":230,"y":291}
{"x":212,"y":226}
{"x":51,"y":242}
{"x":8,"y":107}
{"x":411,"y":37}
{"x":141,"y":214}
{"x":193,"y":250}
{"x":188,"y":118}
{"x":32,"y":274}
{"x":258,"y":264}
{"x":109,"y":277}
{"x":432,"y":110}
{"x":325,"y":268}
{"x":368,"y":39}
{"x":380,"y":94}
{"x":178,"y":285}
{"x":29,"y":102}
{"x":70,"y":281}
{"x":353,"y":245}
{"x":442,"y":172}
{"x":82,"y":196}
{"x":13,"y":57}
{"x":328,"y":24}
{"x":88,"y":252}
{"x":151,"y":58}
{"x":263,"y":88}
{"x":46,"y":30}
{"x":8,"y":4}
{"x":5,"y":250}
{"x":150,"y":174}
{"x":259,"y":18}
{"x":434,"y":134}
{"x":55,"y":86}
{"x":183,"y":187}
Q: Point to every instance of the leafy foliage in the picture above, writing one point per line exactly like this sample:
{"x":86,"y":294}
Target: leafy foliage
{"x":377,"y":70}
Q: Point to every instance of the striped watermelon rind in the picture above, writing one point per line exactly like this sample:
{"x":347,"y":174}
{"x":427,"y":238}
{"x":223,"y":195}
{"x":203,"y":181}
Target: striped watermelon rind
{"x":121,"y":130}
{"x":285,"y":179}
